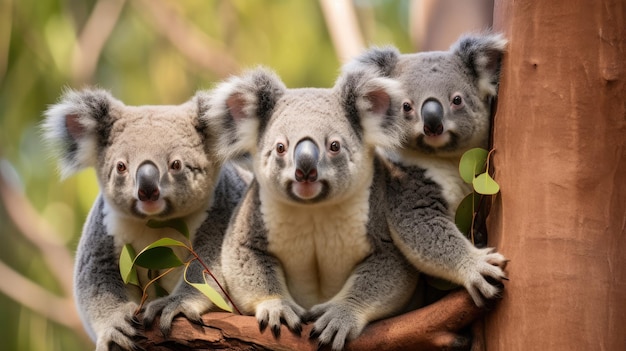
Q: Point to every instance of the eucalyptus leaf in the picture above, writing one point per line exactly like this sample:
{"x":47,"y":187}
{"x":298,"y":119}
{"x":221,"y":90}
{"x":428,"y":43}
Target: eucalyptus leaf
{"x":465,"y":213}
{"x":440,"y":284}
{"x":177,"y":224}
{"x":484,"y":184}
{"x":160,"y":257}
{"x":472,"y":163}
{"x":127,"y":267}
{"x":209,"y":292}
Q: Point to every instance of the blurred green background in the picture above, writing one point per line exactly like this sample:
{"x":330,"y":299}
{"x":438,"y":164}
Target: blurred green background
{"x":144,"y":52}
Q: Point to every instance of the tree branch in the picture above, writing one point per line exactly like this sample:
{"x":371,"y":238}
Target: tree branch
{"x":343,"y":27}
{"x":39,"y":232}
{"x":188,"y":39}
{"x":433,"y":327}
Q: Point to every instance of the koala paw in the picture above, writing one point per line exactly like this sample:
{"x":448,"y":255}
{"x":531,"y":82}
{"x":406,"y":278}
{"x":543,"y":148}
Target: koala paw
{"x":118,"y":329}
{"x":169,"y":306}
{"x":335,"y":323}
{"x":274,"y":311}
{"x":487,"y":265}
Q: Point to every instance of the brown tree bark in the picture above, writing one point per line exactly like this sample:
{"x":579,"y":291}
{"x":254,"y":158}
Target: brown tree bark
{"x":434,"y":327}
{"x":560,"y":160}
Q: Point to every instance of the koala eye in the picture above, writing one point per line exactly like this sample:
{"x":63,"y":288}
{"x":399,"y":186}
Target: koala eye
{"x":406,"y":107}
{"x":176,"y":165}
{"x":121,"y":167}
{"x":280,"y":148}
{"x":457,"y":100}
{"x":335,"y":146}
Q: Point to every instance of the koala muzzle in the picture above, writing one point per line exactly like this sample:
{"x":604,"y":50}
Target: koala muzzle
{"x":148,"y":182}
{"x":305,"y":156}
{"x":432,"y":115}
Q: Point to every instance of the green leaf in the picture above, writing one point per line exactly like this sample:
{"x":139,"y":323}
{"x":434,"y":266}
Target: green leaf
{"x":127,"y":267}
{"x":484,"y":184}
{"x":209,"y":292}
{"x":472,"y":163}
{"x":440,"y":284}
{"x":160,"y":257}
{"x":465,"y":213}
{"x":177,"y":224}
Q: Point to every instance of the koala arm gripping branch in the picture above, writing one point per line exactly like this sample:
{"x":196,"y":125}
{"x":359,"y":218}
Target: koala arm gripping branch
{"x":98,"y":287}
{"x":207,"y":244}
{"x":428,"y":237}
{"x":255,"y":278}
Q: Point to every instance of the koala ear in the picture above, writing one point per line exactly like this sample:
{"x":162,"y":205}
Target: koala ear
{"x":240,"y":109}
{"x":372,"y":105}
{"x":75,"y":125}
{"x":383,"y":60}
{"x":483,"y":55}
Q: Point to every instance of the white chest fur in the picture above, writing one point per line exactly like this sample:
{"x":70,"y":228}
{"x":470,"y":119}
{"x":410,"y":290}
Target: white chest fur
{"x":131,"y":231}
{"x":318,"y":246}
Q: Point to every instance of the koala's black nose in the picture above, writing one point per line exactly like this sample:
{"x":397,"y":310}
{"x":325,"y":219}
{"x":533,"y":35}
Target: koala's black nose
{"x":305,"y":157}
{"x":148,"y":182}
{"x":432,"y":115}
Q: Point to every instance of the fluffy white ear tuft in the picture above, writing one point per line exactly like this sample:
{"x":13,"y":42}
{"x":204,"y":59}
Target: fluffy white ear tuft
{"x":379,"y":104}
{"x":483,"y":53}
{"x":74,"y":126}
{"x":240,"y":107}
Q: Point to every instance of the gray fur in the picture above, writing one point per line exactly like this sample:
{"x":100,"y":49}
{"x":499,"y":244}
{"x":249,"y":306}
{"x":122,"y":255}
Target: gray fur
{"x":424,"y":187}
{"x":90,"y":128}
{"x":318,"y":250}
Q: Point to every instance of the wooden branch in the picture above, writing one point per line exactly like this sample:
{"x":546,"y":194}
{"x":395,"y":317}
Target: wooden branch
{"x":434,"y":327}
{"x":343,"y":27}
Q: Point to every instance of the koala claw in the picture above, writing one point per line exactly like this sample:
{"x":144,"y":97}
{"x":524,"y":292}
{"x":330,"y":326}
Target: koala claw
{"x":335,"y":323}
{"x":275,"y":312}
{"x":120,"y":330}
{"x":488,"y":265}
{"x":172,"y":305}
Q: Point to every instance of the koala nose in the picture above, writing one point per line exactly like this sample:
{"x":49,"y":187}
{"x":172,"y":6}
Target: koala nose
{"x":148,"y":182}
{"x":305,"y":156}
{"x":432,"y":114}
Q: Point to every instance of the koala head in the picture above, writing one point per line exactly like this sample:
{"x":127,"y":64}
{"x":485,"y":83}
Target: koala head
{"x":151,"y":161}
{"x":448,"y":93}
{"x":309,"y":145}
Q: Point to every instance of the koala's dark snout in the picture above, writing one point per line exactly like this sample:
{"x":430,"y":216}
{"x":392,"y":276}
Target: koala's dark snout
{"x":148,"y":182}
{"x":432,"y":115}
{"x":305,"y":156}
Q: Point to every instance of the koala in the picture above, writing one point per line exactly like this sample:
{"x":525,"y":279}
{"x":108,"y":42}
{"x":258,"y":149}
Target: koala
{"x":448,"y":99}
{"x":151,"y":162}
{"x":309,"y":240}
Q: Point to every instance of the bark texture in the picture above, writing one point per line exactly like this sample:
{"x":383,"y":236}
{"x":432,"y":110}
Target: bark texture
{"x":434,"y":327}
{"x":560,"y":160}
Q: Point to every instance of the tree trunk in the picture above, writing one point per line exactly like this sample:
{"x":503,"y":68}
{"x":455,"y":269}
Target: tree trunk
{"x":560,"y":160}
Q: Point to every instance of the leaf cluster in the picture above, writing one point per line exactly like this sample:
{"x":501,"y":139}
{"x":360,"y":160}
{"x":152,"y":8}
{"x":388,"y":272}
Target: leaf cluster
{"x":160,"y":256}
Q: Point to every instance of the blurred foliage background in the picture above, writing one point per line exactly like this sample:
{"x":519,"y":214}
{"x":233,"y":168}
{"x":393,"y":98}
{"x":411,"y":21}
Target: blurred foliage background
{"x":144,"y":52}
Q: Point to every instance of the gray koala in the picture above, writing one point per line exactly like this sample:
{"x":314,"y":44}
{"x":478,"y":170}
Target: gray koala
{"x":152,"y":162}
{"x":448,"y":99}
{"x":309,"y":240}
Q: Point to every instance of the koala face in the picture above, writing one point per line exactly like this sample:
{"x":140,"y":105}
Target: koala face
{"x":151,"y":161}
{"x":310,"y":145}
{"x":448,"y":94}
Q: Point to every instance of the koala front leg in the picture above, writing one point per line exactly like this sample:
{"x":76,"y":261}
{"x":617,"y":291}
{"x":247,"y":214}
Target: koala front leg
{"x":380,"y":287}
{"x":255,"y":279}
{"x":100,"y":292}
{"x":186,"y":299}
{"x":431,"y":241}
